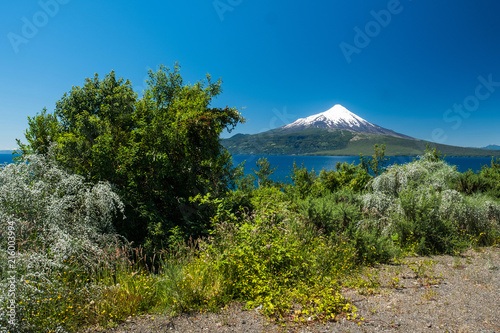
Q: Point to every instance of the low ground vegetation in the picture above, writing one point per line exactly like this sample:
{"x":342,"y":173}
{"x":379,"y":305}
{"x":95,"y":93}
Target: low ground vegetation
{"x":284,"y":249}
{"x":120,"y":206}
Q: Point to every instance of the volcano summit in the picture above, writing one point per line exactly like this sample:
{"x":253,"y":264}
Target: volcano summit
{"x":337,"y":131}
{"x":338,"y":117}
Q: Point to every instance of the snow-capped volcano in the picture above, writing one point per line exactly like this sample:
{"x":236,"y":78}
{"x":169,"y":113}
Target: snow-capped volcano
{"x":338,"y":117}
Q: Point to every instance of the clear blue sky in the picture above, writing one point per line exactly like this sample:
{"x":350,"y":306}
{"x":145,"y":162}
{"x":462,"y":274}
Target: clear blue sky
{"x":400,"y":64}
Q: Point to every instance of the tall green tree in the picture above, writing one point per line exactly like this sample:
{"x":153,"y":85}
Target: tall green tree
{"x":377,"y":163}
{"x":264,"y":172}
{"x":43,"y":129}
{"x":159,"y":151}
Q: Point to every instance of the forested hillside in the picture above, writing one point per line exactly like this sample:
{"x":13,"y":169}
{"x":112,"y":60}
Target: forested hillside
{"x":328,"y":142}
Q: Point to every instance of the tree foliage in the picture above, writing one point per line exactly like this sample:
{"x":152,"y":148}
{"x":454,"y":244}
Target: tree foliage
{"x":264,"y":172}
{"x":158,"y":150}
{"x":377,"y":163}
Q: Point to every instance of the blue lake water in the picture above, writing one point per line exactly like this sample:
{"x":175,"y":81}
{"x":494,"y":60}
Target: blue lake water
{"x":5,"y":158}
{"x":284,"y":164}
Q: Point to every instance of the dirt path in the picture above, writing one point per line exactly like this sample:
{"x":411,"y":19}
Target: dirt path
{"x":412,"y":298}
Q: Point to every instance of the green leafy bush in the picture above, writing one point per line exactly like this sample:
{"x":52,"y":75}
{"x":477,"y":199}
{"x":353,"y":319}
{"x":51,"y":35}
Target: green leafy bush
{"x":330,"y":213}
{"x":492,"y":175}
{"x":276,"y":263}
{"x":371,"y":243}
{"x":270,"y":259}
{"x":346,"y":176}
{"x":420,"y":210}
{"x":470,"y":182}
{"x":304,"y":183}
{"x":158,"y":151}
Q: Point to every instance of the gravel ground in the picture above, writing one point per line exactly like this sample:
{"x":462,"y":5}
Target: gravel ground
{"x":456,"y":294}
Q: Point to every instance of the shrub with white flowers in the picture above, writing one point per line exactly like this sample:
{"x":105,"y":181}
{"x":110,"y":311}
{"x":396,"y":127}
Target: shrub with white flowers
{"x":423,"y":172}
{"x":419,"y":196}
{"x":58,"y":222}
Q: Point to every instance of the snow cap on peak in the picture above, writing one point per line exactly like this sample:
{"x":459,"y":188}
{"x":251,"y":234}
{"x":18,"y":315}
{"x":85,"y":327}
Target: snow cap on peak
{"x":337,"y":116}
{"x":338,"y":113}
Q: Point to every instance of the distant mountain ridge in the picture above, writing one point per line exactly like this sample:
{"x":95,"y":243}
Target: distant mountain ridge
{"x":493,"y":147}
{"x":337,"y":131}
